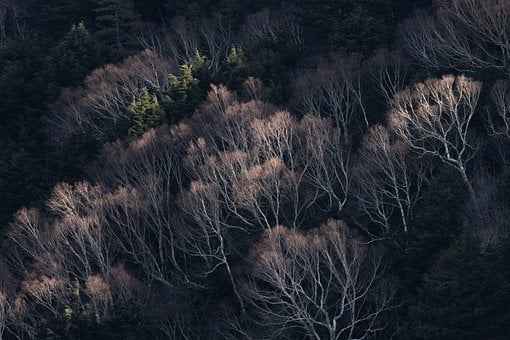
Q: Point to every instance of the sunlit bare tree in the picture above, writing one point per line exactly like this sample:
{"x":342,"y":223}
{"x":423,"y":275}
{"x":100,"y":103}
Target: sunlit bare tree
{"x":325,"y":284}
{"x":102,"y":104}
{"x":434,"y":118}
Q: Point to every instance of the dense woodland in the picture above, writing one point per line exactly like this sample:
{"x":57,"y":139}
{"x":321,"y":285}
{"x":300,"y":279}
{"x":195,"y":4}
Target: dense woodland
{"x":239,"y":169}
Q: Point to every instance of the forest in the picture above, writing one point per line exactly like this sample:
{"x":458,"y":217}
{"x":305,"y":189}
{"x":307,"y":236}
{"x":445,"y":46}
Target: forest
{"x":255,"y":170}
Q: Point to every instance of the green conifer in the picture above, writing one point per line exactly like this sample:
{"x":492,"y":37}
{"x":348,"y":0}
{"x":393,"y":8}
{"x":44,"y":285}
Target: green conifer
{"x":146,"y":114}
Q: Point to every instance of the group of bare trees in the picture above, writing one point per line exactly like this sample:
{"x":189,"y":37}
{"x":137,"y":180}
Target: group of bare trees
{"x":276,"y":26}
{"x":170,"y":204}
{"x":249,"y":194}
{"x":101,"y":105}
{"x":325,"y":284}
{"x":168,"y":207}
{"x":466,"y":35}
{"x":441,"y":118}
{"x":183,"y":41}
{"x":69,"y":265}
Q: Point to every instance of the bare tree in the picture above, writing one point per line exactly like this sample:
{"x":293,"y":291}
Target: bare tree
{"x":386,"y":179}
{"x":466,"y":35}
{"x":274,"y":26}
{"x":100,"y":294}
{"x":102,"y":104}
{"x":324,"y":283}
{"x":500,"y":124}
{"x":254,"y":88}
{"x":434,"y":118}
{"x":5,"y":311}
{"x":84,"y":245}
{"x":219,"y":38}
{"x":328,"y":160}
{"x":334,"y":90}
{"x":30,"y":238}
{"x":390,"y":72}
{"x":183,"y":41}
{"x":48,"y":293}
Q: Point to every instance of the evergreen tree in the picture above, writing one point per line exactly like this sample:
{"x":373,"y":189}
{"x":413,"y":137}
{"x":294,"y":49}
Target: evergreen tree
{"x":146,"y":114}
{"x":236,"y":57}
{"x":185,"y":91}
{"x":73,"y":58}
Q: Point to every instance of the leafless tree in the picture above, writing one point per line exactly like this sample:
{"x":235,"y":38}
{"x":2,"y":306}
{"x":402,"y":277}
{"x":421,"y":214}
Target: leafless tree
{"x":30,"y":237}
{"x":273,"y":26}
{"x":219,"y":38}
{"x":84,"y":245}
{"x":254,"y":88}
{"x":49,"y":293}
{"x":328,"y":160}
{"x":390,"y":72}
{"x":100,"y":295}
{"x":500,"y":124}
{"x":5,"y":311}
{"x":108,"y":92}
{"x":434,"y":118}
{"x":465,"y":35}
{"x":386,"y":180}
{"x":334,"y":90}
{"x":183,"y":41}
{"x":324,"y":283}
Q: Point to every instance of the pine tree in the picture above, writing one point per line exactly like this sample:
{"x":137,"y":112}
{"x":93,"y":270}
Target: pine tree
{"x":73,"y":58}
{"x":185,"y":91}
{"x":236,"y":57}
{"x":146,"y":114}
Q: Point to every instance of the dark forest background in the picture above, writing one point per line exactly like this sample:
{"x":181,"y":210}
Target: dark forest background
{"x":86,"y":84}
